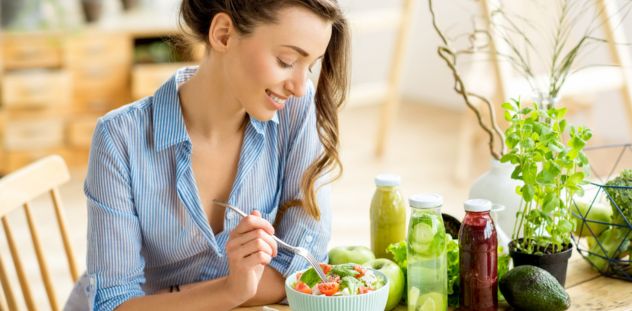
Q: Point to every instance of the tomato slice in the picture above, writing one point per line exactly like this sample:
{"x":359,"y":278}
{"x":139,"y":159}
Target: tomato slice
{"x":326,"y":268}
{"x":364,"y":290}
{"x":302,"y":287}
{"x":361,"y":271}
{"x":328,"y":288}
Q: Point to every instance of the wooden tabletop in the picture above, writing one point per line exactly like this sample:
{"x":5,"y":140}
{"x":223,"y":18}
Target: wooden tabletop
{"x":588,"y":291}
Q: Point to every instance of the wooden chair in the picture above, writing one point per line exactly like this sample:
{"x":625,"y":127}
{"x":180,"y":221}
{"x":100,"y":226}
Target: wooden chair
{"x":16,"y":191}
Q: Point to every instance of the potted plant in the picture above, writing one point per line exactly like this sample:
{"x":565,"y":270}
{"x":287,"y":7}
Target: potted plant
{"x":549,"y":160}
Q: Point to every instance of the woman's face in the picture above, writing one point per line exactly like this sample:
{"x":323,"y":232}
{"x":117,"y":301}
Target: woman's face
{"x":272,"y":63}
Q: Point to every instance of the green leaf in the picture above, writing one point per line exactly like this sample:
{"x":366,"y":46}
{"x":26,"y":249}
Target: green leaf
{"x":527,"y":192}
{"x":510,"y":106}
{"x":310,"y":277}
{"x":550,"y":202}
{"x":565,"y":226}
{"x":400,"y":253}
{"x":351,"y":283}
{"x":344,"y":270}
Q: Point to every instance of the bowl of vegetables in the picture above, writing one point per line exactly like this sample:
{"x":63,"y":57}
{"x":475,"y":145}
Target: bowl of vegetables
{"x":349,"y":287}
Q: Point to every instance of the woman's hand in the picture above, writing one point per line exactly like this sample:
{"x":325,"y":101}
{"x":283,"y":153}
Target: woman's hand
{"x":250,"y":248}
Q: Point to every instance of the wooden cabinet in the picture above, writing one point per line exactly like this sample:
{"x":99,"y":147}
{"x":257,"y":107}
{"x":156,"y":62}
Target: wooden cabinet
{"x":99,"y":63}
{"x":31,"y":50}
{"x":54,"y":86}
{"x":36,"y":89}
{"x":147,"y":78}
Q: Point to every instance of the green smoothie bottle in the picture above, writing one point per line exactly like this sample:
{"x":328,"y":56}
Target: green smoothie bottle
{"x":388,"y":215}
{"x":427,"y":262}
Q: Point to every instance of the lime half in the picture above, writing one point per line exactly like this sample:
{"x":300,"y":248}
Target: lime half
{"x":430,"y":302}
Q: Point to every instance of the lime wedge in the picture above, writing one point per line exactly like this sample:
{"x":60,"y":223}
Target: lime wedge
{"x":413,"y":295}
{"x":430,"y":302}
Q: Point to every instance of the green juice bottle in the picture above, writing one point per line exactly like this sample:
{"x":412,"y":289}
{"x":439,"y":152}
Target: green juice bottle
{"x":388,"y":215}
{"x":427,"y":261}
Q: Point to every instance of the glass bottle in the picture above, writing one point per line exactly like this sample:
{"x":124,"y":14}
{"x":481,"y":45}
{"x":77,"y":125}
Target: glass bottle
{"x":388,"y":215}
{"x":478,"y":256}
{"x":427,"y":261}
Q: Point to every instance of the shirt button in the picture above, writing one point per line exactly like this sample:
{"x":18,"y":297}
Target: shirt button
{"x":229,"y":215}
{"x":308,"y":238}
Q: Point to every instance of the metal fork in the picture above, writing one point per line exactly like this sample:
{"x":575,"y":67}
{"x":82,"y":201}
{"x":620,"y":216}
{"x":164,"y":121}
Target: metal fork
{"x":295,"y":249}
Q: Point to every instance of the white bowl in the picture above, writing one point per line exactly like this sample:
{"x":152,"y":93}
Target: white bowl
{"x":372,"y":301}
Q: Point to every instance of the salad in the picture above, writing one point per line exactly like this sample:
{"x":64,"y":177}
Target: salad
{"x":342,"y":280}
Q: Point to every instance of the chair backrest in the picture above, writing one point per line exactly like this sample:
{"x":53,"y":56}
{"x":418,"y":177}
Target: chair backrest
{"x":17,"y":190}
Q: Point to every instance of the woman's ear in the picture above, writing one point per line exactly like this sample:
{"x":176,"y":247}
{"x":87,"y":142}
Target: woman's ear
{"x":220,"y":31}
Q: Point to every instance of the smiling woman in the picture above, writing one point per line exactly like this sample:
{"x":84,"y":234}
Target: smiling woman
{"x":244,"y":127}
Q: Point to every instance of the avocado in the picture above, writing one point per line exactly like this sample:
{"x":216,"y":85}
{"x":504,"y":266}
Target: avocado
{"x":532,"y":288}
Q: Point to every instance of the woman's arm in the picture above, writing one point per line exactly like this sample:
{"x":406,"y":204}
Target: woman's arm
{"x":214,"y":294}
{"x":249,"y":248}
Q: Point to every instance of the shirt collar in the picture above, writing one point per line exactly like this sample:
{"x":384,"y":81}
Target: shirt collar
{"x":169,"y":127}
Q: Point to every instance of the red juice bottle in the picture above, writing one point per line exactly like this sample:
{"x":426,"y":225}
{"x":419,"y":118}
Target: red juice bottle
{"x":478,"y":258}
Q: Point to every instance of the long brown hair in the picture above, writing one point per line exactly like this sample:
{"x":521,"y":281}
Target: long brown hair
{"x":333,"y":81}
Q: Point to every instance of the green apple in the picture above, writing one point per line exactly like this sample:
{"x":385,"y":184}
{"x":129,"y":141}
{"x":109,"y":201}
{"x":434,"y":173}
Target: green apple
{"x":350,"y":254}
{"x":395,"y":276}
{"x":598,"y":212}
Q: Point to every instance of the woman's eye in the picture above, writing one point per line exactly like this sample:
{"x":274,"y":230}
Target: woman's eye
{"x":284,"y":64}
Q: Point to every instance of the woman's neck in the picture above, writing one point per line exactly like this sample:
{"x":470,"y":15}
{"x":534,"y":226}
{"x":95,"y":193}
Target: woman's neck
{"x":209,"y":111}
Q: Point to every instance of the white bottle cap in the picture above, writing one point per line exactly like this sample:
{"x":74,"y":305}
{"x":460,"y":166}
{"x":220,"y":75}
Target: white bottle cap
{"x":477,"y":205}
{"x":426,"y":200}
{"x":387,"y":180}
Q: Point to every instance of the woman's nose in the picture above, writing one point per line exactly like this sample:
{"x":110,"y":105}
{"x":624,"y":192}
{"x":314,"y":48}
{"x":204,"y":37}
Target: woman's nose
{"x":296,"y":84}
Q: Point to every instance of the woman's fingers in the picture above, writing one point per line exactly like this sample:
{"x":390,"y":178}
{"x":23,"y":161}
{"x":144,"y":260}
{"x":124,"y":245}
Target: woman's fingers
{"x":253,"y":221}
{"x":239,"y":240}
{"x":252,"y":247}
{"x":258,"y":258}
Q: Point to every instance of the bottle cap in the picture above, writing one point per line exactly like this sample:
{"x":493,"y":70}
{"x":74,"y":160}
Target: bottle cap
{"x":477,"y":205}
{"x":426,"y":200}
{"x":387,"y":180}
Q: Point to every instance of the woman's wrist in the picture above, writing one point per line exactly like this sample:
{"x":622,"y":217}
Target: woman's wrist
{"x":233,"y":293}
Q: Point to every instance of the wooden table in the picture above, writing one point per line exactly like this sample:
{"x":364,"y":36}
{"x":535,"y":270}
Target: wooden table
{"x":587,"y":288}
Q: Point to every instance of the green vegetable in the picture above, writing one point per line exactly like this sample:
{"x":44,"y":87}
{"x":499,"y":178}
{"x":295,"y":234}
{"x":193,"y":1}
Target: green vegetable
{"x":532,"y":288}
{"x":621,"y":196}
{"x":614,"y":242}
{"x":400,"y":254}
{"x":310,"y":277}
{"x":344,"y":270}
{"x":351,"y":283}
{"x":453,"y":271}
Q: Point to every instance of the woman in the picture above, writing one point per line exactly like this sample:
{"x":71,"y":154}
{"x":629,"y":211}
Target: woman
{"x":245,"y":127}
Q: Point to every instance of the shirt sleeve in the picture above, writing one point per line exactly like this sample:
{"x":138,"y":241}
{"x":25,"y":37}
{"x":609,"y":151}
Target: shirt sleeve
{"x":114,"y":262}
{"x":297,"y":227}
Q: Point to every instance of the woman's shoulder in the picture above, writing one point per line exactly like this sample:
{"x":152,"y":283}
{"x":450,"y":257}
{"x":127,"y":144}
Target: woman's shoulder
{"x":132,"y":110}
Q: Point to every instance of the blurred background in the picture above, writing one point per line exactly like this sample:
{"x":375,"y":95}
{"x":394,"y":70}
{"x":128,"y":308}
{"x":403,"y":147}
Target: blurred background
{"x":64,"y":63}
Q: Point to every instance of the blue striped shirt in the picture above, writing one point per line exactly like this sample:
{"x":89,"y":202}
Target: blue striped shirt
{"x":147,"y":229}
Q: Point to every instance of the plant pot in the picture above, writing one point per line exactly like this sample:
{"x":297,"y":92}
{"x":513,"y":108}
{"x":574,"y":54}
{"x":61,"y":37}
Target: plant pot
{"x":92,"y":10}
{"x":555,"y":264}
